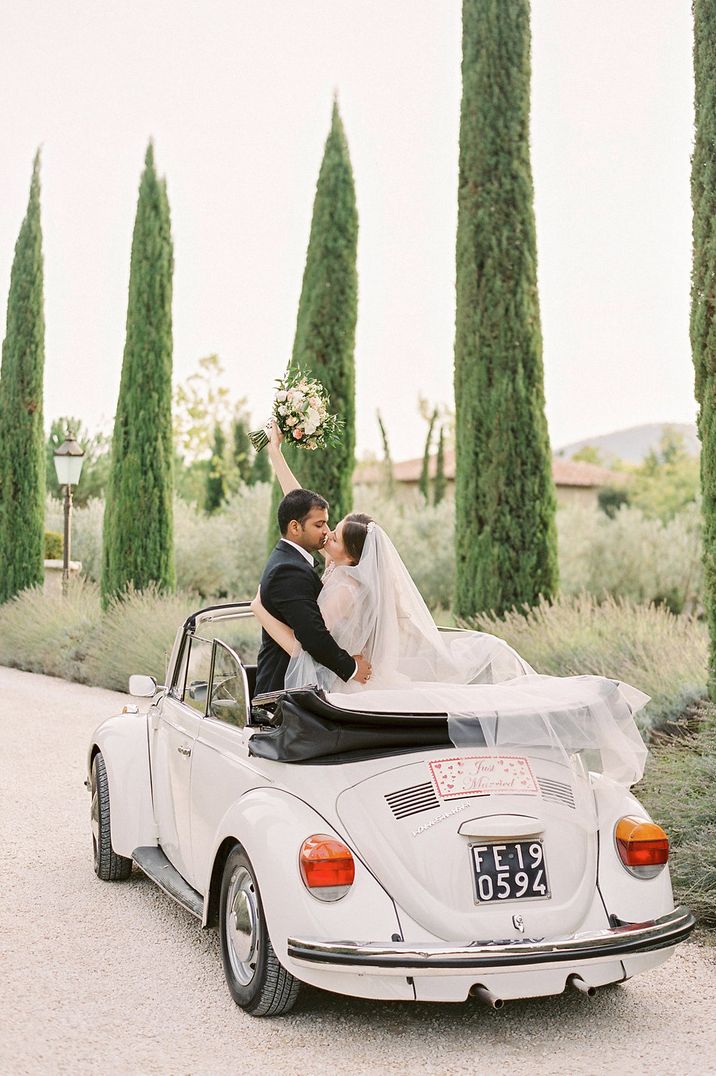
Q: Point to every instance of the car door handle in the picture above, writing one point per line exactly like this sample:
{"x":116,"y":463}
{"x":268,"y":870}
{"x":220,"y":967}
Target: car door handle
{"x":184,"y":750}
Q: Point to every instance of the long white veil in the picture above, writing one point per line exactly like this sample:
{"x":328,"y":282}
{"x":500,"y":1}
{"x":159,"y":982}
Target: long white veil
{"x":493,"y":699}
{"x":374,"y":608}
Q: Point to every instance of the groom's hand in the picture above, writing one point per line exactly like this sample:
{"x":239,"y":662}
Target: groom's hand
{"x":363,"y":669}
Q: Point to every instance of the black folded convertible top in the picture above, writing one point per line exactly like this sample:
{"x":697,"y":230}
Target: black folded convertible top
{"x":308,"y":727}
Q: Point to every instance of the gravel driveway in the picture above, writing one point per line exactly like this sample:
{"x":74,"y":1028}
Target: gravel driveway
{"x":116,"y":978}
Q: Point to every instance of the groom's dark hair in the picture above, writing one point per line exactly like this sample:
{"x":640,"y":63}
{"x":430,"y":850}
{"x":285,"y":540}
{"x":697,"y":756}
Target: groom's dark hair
{"x":297,"y":505}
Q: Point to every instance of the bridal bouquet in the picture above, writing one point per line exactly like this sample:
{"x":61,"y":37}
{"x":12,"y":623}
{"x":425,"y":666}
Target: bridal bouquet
{"x":300,"y":408}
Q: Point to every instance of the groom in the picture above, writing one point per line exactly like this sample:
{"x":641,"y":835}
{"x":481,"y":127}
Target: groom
{"x":290,"y":589}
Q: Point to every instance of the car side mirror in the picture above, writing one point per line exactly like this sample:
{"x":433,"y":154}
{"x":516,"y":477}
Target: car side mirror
{"x":145,"y":686}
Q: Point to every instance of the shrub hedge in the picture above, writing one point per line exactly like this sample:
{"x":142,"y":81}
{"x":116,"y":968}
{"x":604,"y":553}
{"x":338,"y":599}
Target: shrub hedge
{"x":648,"y":646}
{"x":629,"y":556}
{"x":679,"y":790}
{"x":54,"y":544}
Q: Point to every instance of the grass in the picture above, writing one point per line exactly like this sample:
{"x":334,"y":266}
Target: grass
{"x":136,"y":635}
{"x":679,"y":791}
{"x":69,"y":636}
{"x":50,"y":633}
{"x":661,"y":653}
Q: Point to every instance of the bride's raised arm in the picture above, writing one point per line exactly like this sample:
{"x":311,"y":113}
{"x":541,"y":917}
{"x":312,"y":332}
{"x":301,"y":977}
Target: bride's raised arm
{"x":286,"y":478}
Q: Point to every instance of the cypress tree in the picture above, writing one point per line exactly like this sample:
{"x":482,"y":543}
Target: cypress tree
{"x":138,"y":541}
{"x":424,"y":483}
{"x":506,"y":548}
{"x":387,"y":459}
{"x":324,"y":343}
{"x":261,"y":472}
{"x":440,"y":484}
{"x":22,"y":439}
{"x":215,"y":494}
{"x":703,"y":281}
{"x":241,"y":451}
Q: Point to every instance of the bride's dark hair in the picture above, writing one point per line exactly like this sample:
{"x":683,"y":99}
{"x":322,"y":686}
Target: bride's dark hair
{"x":354,"y":533}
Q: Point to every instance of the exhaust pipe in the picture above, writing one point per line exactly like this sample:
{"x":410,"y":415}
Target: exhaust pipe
{"x":485,"y":995}
{"x":579,"y":984}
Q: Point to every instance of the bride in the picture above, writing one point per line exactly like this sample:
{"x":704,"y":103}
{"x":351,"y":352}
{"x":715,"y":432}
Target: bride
{"x":371,"y":606}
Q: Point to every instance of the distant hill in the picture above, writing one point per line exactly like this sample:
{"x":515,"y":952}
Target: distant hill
{"x":634,"y":444}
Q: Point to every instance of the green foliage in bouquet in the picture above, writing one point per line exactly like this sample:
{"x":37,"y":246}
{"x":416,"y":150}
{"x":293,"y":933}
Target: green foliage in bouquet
{"x":22,"y":440}
{"x":703,"y":321}
{"x":137,"y":544}
{"x":324,"y":343}
{"x":506,"y":551}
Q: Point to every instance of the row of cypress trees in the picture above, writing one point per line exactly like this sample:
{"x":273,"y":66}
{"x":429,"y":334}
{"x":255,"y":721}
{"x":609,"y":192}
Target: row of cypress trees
{"x":504,"y":495}
{"x":506,"y":547}
{"x":138,"y":526}
{"x":138,"y":544}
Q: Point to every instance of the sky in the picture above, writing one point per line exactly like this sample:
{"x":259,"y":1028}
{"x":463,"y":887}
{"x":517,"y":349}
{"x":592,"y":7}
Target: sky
{"x":237,"y":96}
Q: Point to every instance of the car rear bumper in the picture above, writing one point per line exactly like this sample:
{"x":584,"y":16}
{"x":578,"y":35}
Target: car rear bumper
{"x":402,"y":958}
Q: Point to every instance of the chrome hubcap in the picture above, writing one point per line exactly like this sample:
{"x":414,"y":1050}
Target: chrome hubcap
{"x":241,"y":920}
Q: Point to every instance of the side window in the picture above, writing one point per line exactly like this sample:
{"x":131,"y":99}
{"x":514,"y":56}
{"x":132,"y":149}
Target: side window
{"x":177,"y":688}
{"x":197,"y":674}
{"x":228,"y":700}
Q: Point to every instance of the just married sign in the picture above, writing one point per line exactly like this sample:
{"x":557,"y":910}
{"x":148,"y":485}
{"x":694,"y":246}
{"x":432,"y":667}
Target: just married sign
{"x":480,"y":775}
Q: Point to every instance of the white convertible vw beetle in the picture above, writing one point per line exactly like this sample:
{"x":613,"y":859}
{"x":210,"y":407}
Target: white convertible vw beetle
{"x":364,"y":852}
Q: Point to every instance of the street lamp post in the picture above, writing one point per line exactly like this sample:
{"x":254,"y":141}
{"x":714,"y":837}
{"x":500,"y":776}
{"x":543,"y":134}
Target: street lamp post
{"x":69,"y":458}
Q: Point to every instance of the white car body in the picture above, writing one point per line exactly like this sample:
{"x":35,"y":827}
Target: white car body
{"x":185,"y":789}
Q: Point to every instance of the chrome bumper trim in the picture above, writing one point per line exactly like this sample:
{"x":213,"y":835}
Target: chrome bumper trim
{"x":429,"y":959}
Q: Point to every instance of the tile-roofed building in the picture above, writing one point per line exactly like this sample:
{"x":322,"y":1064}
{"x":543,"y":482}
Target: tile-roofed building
{"x":573,"y":479}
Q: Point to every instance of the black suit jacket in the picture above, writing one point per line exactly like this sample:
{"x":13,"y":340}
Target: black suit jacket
{"x":289,"y":591}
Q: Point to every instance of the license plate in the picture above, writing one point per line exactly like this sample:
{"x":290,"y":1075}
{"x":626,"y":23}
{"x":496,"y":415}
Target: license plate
{"x":515,"y":870}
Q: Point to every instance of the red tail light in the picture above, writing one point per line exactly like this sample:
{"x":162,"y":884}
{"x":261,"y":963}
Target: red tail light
{"x":327,"y":866}
{"x":643,"y":846}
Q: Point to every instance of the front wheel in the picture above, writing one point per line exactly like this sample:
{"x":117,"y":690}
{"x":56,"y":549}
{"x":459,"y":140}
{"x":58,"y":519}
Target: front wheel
{"x":257,"y":982}
{"x":107,"y":864}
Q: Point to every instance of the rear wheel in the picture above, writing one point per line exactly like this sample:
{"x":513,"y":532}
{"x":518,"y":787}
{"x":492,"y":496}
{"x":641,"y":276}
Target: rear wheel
{"x":107,"y":864}
{"x":257,"y":981}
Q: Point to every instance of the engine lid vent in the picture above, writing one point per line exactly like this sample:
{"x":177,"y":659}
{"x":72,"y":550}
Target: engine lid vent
{"x":412,"y":800}
{"x":557,"y":791}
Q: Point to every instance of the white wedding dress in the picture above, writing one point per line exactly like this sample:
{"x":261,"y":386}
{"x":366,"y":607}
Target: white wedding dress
{"x":374,"y":608}
{"x":490,"y":694}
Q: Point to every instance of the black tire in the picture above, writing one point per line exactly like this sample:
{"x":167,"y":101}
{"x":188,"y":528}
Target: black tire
{"x":257,"y":981}
{"x":107,"y":864}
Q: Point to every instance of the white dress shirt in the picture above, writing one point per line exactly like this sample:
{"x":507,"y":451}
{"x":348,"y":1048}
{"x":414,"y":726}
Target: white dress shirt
{"x":302,"y":551}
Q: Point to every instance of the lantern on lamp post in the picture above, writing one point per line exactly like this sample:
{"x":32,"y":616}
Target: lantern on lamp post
{"x":69,"y":458}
